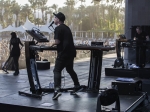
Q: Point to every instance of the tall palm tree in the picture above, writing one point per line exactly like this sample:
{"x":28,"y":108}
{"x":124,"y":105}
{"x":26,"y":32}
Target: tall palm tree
{"x":82,"y":1}
{"x":33,"y":5}
{"x":43,"y":8}
{"x":55,"y":8}
{"x":1,"y":11}
{"x":16,"y":8}
{"x":25,"y":12}
{"x":7,"y":14}
{"x":81,"y":14}
{"x":98,"y":16}
{"x":40,"y":5}
{"x":70,"y":10}
{"x":70,"y":3}
{"x":50,"y":12}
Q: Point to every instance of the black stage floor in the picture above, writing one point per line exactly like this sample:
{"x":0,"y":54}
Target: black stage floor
{"x":11,"y":101}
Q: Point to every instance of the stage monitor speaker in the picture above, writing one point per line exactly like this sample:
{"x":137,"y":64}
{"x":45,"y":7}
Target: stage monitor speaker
{"x":128,"y":88}
{"x":43,"y":65}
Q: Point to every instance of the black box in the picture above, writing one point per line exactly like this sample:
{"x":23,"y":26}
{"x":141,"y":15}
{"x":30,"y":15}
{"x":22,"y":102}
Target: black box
{"x":43,"y":65}
{"x":96,"y":43}
{"x":128,"y":88}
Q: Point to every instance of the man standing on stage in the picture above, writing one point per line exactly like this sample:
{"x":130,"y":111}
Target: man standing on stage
{"x":66,"y":53}
{"x":141,"y":37}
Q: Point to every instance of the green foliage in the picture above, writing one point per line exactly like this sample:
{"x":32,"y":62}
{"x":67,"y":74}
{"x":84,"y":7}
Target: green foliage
{"x":108,"y":15}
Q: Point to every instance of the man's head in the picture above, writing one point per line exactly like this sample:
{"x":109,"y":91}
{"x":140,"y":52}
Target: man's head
{"x":138,"y":30}
{"x":59,"y":18}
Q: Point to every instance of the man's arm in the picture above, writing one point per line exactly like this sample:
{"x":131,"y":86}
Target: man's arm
{"x":134,"y":38}
{"x":147,"y":38}
{"x":56,"y":42}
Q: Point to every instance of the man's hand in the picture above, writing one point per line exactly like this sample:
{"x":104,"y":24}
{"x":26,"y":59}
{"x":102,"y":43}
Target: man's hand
{"x":147,"y":38}
{"x":134,"y":38}
{"x":56,"y":42}
{"x":52,"y":45}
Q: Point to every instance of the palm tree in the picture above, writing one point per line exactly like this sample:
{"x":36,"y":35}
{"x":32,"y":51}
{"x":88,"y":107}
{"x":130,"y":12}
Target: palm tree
{"x":82,"y":1}
{"x":40,"y":5}
{"x":15,"y":9}
{"x":50,"y":12}
{"x":70,"y":4}
{"x":7,"y":14}
{"x":69,"y":13}
{"x":33,"y":6}
{"x":55,"y":7}
{"x":81,"y":15}
{"x":89,"y":12}
{"x":98,"y":16}
{"x":43,"y":8}
{"x":25,"y":12}
{"x":1,"y":11}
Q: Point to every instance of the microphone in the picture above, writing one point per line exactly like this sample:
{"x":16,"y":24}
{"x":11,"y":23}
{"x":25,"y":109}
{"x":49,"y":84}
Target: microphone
{"x":51,"y":24}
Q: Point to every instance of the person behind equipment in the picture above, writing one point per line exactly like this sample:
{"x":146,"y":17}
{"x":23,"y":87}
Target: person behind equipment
{"x":65,"y":54}
{"x":15,"y":51}
{"x":141,"y":37}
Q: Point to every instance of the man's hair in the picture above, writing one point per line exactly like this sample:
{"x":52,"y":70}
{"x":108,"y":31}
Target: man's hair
{"x":139,"y":28}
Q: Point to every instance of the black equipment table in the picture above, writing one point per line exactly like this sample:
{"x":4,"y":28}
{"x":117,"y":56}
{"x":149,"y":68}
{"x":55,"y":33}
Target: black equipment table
{"x":130,"y":44}
{"x":139,"y":45}
{"x":94,"y":71}
{"x":125,"y":72}
{"x":95,"y":62}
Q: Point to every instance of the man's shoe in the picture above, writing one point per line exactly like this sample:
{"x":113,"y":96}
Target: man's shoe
{"x":16,"y":73}
{"x":75,"y":89}
{"x":56,"y":95}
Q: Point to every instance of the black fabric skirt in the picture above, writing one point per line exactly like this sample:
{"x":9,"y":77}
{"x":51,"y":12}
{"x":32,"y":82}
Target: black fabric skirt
{"x":15,"y":53}
{"x":9,"y":64}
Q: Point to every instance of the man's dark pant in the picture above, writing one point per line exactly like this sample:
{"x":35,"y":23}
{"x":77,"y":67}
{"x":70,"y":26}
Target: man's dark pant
{"x":16,"y":63}
{"x":141,"y":56}
{"x":60,"y":64}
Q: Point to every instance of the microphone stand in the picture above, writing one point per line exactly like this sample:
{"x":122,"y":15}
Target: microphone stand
{"x":52,"y":27}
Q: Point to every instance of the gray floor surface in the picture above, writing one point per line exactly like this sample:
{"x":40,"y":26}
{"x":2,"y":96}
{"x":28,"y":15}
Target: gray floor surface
{"x":82,"y":102}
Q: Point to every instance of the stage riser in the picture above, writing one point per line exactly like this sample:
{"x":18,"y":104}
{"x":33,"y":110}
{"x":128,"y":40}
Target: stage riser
{"x":141,"y":73}
{"x":18,"y":108}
